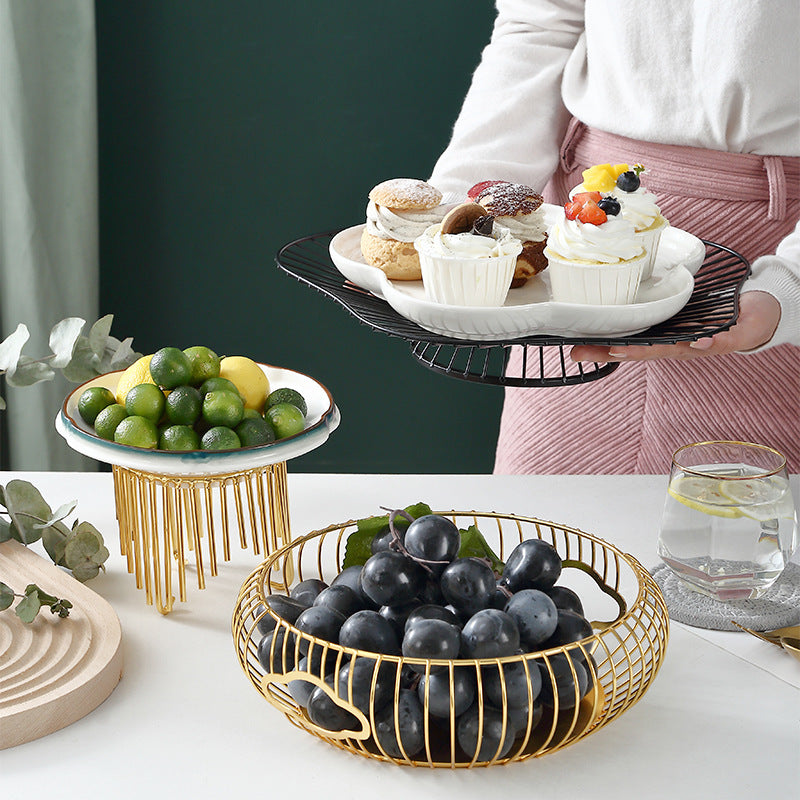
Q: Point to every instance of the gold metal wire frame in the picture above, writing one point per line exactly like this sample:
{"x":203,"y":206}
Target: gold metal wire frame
{"x":168,"y":521}
{"x":620,"y":660}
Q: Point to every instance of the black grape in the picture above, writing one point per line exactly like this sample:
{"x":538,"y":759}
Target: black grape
{"x":324,"y":711}
{"x":285,"y":607}
{"x":535,"y":615}
{"x":433,"y":538}
{"x":410,"y":723}
{"x":360,"y":693}
{"x":391,"y":579}
{"x":340,"y":598}
{"x":319,"y":621}
{"x":469,"y":730}
{"x":433,"y":611}
{"x":306,"y":591}
{"x":368,"y":630}
{"x":468,"y":584}
{"x":489,"y":634}
{"x":564,"y":681}
{"x":280,"y":657}
{"x":431,"y":638}
{"x":438,"y":687}
{"x":517,"y":681}
{"x":351,"y":576}
{"x":571,"y":627}
{"x":565,"y":598}
{"x":532,"y":564}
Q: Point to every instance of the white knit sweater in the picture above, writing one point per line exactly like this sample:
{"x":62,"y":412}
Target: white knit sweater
{"x":717,"y":74}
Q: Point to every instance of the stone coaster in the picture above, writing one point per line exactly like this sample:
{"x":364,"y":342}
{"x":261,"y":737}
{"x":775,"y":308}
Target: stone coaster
{"x":778,"y":607}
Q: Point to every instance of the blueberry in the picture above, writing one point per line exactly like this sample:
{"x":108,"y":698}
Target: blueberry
{"x":610,"y":205}
{"x":628,"y":181}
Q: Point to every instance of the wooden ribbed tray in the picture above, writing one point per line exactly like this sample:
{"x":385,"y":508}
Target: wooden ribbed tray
{"x":53,"y":671}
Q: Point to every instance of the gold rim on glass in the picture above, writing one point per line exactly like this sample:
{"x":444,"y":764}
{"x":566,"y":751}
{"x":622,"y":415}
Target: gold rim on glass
{"x":763,"y":471}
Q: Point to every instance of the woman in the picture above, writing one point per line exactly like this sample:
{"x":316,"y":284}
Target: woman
{"x":706,"y":96}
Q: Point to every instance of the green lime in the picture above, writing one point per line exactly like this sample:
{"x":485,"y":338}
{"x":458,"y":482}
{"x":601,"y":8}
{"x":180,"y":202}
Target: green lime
{"x":286,"y":395}
{"x":204,"y":363}
{"x":146,"y":400}
{"x":137,"y":432}
{"x":170,"y":367}
{"x":286,"y":419}
{"x":107,"y":420}
{"x":254,"y":431}
{"x":183,"y":405}
{"x":223,"y":408}
{"x":220,"y":438}
{"x":251,"y":413}
{"x":217,"y":385}
{"x":178,"y":437}
{"x":93,"y":401}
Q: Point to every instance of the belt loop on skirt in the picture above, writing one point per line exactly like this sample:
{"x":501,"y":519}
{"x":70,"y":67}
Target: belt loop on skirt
{"x":776,"y":178}
{"x":566,"y":154}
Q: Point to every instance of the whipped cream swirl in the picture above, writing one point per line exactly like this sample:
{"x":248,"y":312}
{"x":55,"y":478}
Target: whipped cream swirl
{"x":609,"y":243}
{"x":468,"y":245}
{"x":526,"y":227}
{"x":401,"y":225}
{"x":639,"y":207}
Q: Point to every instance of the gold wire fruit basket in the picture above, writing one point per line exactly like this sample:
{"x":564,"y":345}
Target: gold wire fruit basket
{"x":583,"y":685}
{"x":179,"y":512}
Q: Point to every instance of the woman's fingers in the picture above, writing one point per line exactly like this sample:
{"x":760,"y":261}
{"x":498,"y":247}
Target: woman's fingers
{"x":759,"y":314}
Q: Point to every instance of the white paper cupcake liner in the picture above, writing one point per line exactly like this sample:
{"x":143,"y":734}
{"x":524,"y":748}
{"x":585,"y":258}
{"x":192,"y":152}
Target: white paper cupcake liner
{"x":649,"y":239}
{"x":467,"y":282}
{"x":594,"y":284}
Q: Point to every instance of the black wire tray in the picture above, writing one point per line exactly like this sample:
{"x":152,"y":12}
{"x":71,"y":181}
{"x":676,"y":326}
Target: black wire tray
{"x":545,"y":362}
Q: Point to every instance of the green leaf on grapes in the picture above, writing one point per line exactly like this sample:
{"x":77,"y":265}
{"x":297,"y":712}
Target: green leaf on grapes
{"x":359,"y":544}
{"x":6,"y":596}
{"x":29,"y":606}
{"x":26,"y":507}
{"x":474,"y":544}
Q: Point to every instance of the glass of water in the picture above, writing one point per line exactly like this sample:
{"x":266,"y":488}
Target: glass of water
{"x":729,"y":525}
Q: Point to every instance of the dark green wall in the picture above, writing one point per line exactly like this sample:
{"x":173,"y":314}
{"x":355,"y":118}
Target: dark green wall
{"x":230,"y":128}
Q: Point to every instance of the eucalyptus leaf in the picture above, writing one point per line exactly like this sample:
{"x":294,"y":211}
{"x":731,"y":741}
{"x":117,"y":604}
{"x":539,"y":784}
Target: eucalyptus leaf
{"x":60,"y":513}
{"x":119,"y":356}
{"x":29,"y":372}
{"x":6,"y":596}
{"x":85,"y":552}
{"x":2,"y":404}
{"x":11,"y":348}
{"x":5,"y":530}
{"x":44,"y":598}
{"x":28,"y":607}
{"x":63,"y":338}
{"x":54,"y":539}
{"x":98,"y":335}
{"x":26,"y":506}
{"x":84,"y":364}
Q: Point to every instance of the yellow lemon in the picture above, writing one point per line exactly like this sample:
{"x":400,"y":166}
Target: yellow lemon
{"x":136,"y":373}
{"x":248,"y":378}
{"x":703,"y":494}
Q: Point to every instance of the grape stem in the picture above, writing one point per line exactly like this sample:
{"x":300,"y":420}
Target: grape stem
{"x":397,"y":543}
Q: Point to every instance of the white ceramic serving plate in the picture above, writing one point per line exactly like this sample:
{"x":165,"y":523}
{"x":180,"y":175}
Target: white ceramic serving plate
{"x":321,"y":420}
{"x":529,"y":310}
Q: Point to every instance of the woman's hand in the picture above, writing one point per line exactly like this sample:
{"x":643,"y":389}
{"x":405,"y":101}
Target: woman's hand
{"x":759,"y":314}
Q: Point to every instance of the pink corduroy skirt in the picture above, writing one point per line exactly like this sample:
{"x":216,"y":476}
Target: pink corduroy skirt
{"x":633,"y":420}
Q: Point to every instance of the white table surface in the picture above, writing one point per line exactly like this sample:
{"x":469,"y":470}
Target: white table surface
{"x":721,"y":719}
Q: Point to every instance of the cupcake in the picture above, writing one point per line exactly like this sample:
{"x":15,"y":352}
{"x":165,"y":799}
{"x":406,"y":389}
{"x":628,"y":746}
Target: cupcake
{"x":467,"y":259}
{"x":638,"y":205}
{"x":398,"y":212}
{"x":593,"y":253}
{"x":518,"y":208}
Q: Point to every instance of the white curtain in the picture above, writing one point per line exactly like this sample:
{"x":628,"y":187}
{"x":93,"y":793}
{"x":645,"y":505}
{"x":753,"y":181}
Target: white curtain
{"x":48,"y":203}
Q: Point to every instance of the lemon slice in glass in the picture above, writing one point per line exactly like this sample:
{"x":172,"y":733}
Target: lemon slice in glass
{"x":703,"y":494}
{"x":760,"y":498}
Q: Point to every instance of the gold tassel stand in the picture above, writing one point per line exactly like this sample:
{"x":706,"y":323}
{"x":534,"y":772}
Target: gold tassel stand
{"x":165,"y":521}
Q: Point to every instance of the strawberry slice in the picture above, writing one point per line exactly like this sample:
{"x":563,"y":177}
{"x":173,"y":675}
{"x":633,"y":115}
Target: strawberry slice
{"x":479,"y":188}
{"x":582,"y":197}
{"x":592,"y":213}
{"x":572,"y":208}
